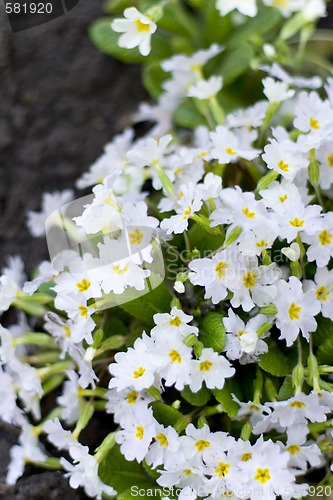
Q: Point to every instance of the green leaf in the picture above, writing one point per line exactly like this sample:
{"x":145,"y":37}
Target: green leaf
{"x":286,"y":390}
{"x":264,"y":22}
{"x":155,"y":301}
{"x":164,"y":414}
{"x":325,"y":351}
{"x":274,"y":361}
{"x":106,"y":40}
{"x":188,"y":116}
{"x":199,"y":398}
{"x":114,"y":326}
{"x":153,"y":77}
{"x":212,"y":331}
{"x":324,"y":330}
{"x":223,"y":396}
{"x":235,"y":63}
{"x":216,"y":28}
{"x":203,"y":241}
{"x":117,"y":472}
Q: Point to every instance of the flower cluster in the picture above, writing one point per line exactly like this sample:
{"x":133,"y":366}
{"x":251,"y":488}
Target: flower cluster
{"x":190,"y":296}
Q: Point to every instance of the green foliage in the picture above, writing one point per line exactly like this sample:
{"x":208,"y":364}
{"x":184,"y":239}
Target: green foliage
{"x":165,"y":414}
{"x":323,"y":332}
{"x":235,"y":63}
{"x":274,"y":361}
{"x":286,"y":390}
{"x":223,"y":396}
{"x":212,"y":331}
{"x":187,"y":115}
{"x":153,"y":77}
{"x":325,"y":351}
{"x":199,"y":398}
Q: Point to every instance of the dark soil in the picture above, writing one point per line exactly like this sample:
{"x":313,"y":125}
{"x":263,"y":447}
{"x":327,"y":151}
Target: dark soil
{"x":60,"y":102}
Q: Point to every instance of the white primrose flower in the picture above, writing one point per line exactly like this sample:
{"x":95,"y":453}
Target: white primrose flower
{"x":182,"y":472}
{"x":211,"y":186}
{"x":283,"y":159}
{"x":245,"y":7}
{"x":166,"y":444}
{"x":11,"y":281}
{"x":276,"y":91}
{"x":122,"y":404}
{"x":57,"y":435}
{"x":135,"y":368}
{"x":70,"y":401}
{"x":80,"y":313}
{"x":286,"y":7}
{"x":211,"y":369}
{"x":181,"y":63}
{"x":173,"y":359}
{"x":137,"y":30}
{"x":84,"y":472}
{"x":242,"y":339}
{"x":187,"y":205}
{"x":321,"y":241}
{"x":296,"y":410}
{"x":198,"y":444}
{"x":255,"y":412}
{"x":225,"y":475}
{"x":283,"y":196}
{"x":276,"y":71}
{"x":140,"y":428}
{"x":46,"y":273}
{"x":240,"y":210}
{"x":215,"y":274}
{"x":298,"y":218}
{"x":251,"y":117}
{"x":51,"y":202}
{"x":312,"y":114}
{"x":172,"y":325}
{"x":9,"y":411}
{"x":325,"y":157}
{"x":323,"y":286}
{"x":255,"y":241}
{"x":160,"y":113}
{"x":296,"y":310}
{"x":229,"y":146}
{"x":206,"y":89}
{"x":28,"y":450}
{"x":300,"y":455}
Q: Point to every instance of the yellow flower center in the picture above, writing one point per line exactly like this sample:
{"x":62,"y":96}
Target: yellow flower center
{"x":187,"y":472}
{"x":220,"y":269}
{"x":175,"y":321}
{"x":246,"y":457}
{"x":283,"y":198}
{"x":294,"y":311}
{"x":254,"y":408}
{"x":325,"y":238}
{"x":83,"y":311}
{"x":187,"y":213}
{"x":322,"y":293}
{"x":297,"y":222}
{"x":175,"y":356}
{"x":249,"y":279}
{"x":222,"y":469}
{"x":240,"y":333}
{"x":297,"y":404}
{"x":162,"y":439}
{"x":330,"y":160}
{"x":262,"y":244}
{"x":132,"y":397}
{"x":230,"y":151}
{"x":248,"y":213}
{"x":142,"y":27}
{"x":283,"y":166}
{"x":136,"y":237}
{"x":293,"y":449}
{"x":262,"y":475}
{"x":139,"y":372}
{"x":83,"y":286}
{"x":314,"y":123}
{"x":202,"y":444}
{"x":205,"y":366}
{"x":119,"y":271}
{"x":139,"y":432}
{"x":67,"y":331}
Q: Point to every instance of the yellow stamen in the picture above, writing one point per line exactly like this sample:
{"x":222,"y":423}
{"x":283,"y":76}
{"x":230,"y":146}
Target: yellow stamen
{"x":162,"y":439}
{"x":314,"y":123}
{"x":119,"y":271}
{"x":283,"y":166}
{"x":293,"y":449}
{"x":84,"y":311}
{"x":230,"y":151}
{"x":322,"y":293}
{"x":83,"y":286}
{"x":297,"y":404}
{"x":142,"y":27}
{"x":175,"y":356}
{"x":297,"y":222}
{"x":175,"y":321}
{"x":136,"y":237}
{"x":248,"y":213}
{"x":202,"y":444}
{"x":246,"y":457}
{"x":132,"y":397}
{"x":139,"y":432}
{"x":294,"y":311}
{"x":262,"y":475}
{"x":222,"y":469}
{"x":139,"y":372}
{"x":205,"y":366}
{"x":219,"y":269}
{"x":249,"y":279}
{"x":325,"y":238}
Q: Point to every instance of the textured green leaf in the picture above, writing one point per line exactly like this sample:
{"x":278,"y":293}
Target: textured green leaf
{"x":235,"y":63}
{"x":203,"y":241}
{"x":216,"y":28}
{"x":156,"y":301}
{"x":119,"y":473}
{"x":153,"y":77}
{"x":199,"y":398}
{"x":212,"y":331}
{"x":324,"y":330}
{"x":164,"y":414}
{"x":188,"y":116}
{"x":286,"y":390}
{"x":325,"y":351}
{"x":223,"y":396}
{"x":274,"y":361}
{"x":264,"y":22}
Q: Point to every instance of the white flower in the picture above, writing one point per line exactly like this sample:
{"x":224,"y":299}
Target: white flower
{"x":276,"y":91}
{"x":9,"y":411}
{"x":242,"y":339}
{"x":211,"y":369}
{"x":323,"y":286}
{"x":229,"y":147}
{"x":299,"y":219}
{"x":123,"y":403}
{"x":57,"y":435}
{"x":252,"y":116}
{"x":84,"y":472}
{"x":312,"y":114}
{"x":300,"y":455}
{"x":137,"y":29}
{"x":135,"y":438}
{"x":200,"y":443}
{"x":51,"y":202}
{"x":173,"y":325}
{"x":206,"y":89}
{"x":321,"y":243}
{"x":282,"y":158}
{"x":134,"y":368}
{"x":80,"y":313}
{"x":162,"y":450}
{"x":246,"y":7}
{"x":296,"y":310}
{"x":187,"y":205}
{"x":11,"y":280}
{"x":276,"y":71}
{"x":70,"y":401}
{"x":173,"y":359}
